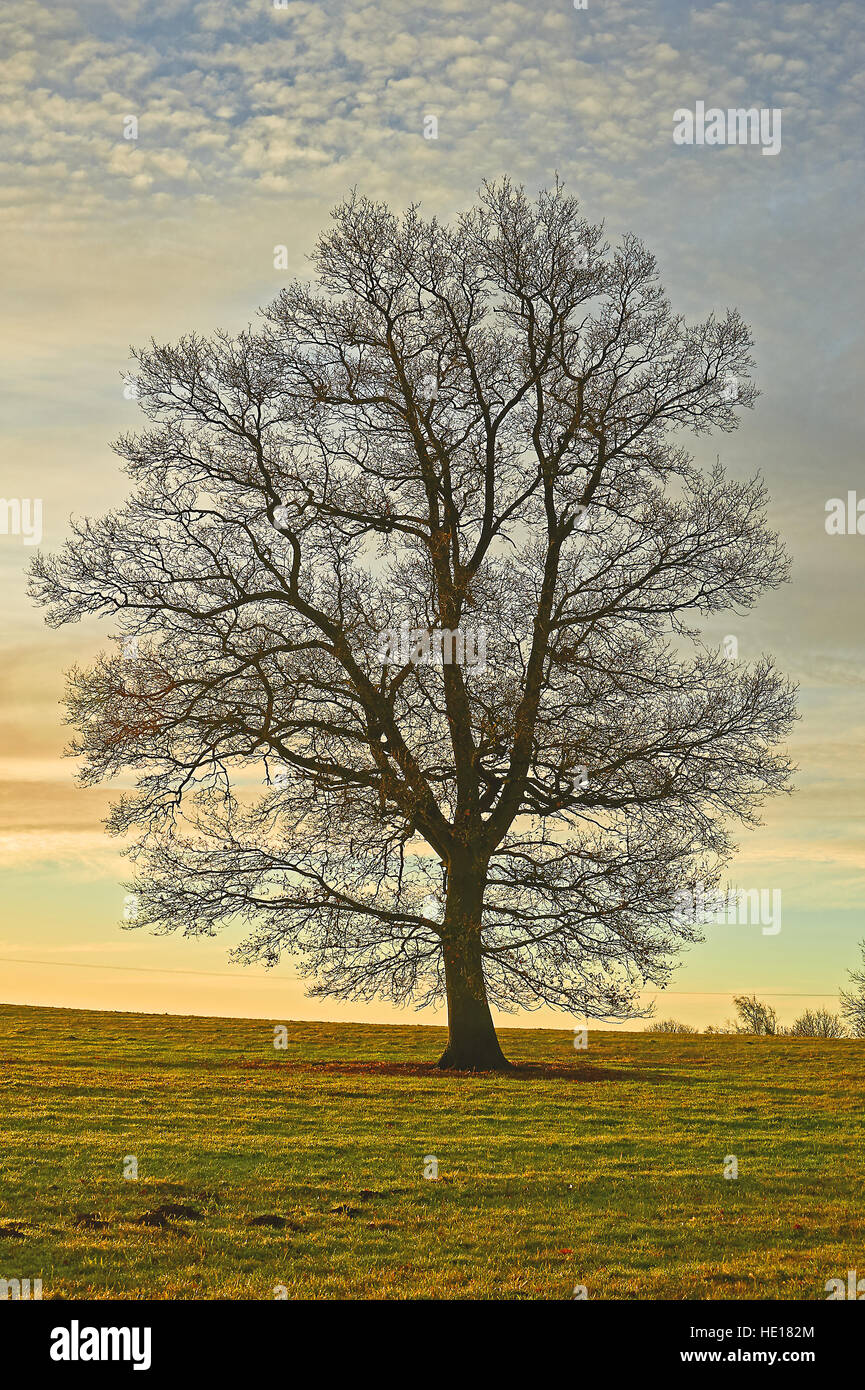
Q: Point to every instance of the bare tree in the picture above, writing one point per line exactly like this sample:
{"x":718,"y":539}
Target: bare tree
{"x":818,"y":1023}
{"x":464,"y":430}
{"x":754,"y":1016}
{"x":853,"y":1000}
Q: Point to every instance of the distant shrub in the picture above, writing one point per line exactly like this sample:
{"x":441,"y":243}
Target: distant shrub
{"x":754,"y":1016}
{"x":853,"y":1000}
{"x":818,"y":1023}
{"x":670,"y":1025}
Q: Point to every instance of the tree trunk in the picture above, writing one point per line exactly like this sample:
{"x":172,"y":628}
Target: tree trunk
{"x":472,"y":1042}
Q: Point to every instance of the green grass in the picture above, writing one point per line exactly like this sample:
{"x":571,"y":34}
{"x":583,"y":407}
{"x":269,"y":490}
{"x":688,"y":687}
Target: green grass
{"x":602,"y":1168}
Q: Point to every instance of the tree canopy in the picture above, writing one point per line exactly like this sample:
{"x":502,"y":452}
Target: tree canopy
{"x":466,"y":429}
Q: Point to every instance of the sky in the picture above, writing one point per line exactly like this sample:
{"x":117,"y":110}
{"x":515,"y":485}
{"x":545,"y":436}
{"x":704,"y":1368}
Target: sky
{"x":253,"y":120}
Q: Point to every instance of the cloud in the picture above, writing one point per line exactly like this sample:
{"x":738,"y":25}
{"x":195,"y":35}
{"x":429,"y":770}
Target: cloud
{"x":356,"y":78}
{"x":87,"y":853}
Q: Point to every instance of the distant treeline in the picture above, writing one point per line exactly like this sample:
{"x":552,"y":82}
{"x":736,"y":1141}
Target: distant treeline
{"x":756,"y":1017}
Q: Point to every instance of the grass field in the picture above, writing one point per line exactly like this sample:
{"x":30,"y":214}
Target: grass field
{"x":305,"y":1168}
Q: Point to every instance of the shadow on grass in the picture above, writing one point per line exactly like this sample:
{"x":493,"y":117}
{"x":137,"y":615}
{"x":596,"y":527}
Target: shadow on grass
{"x":529,"y":1071}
